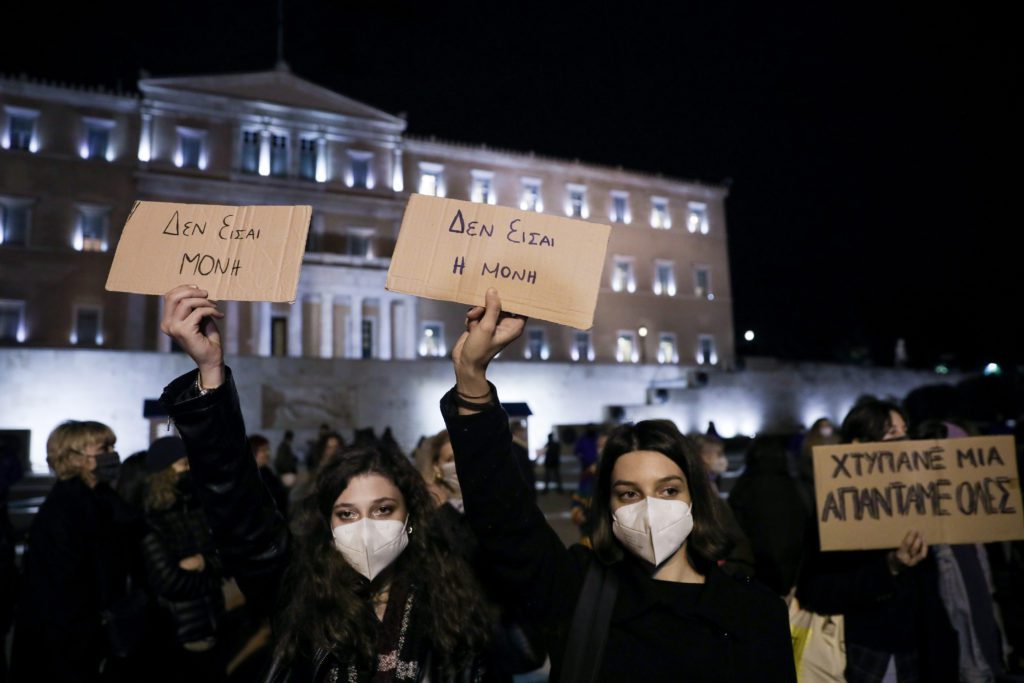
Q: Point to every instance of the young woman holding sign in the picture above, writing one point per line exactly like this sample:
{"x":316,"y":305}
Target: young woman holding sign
{"x":373,"y":591}
{"x":896,"y":628}
{"x":649,"y":602}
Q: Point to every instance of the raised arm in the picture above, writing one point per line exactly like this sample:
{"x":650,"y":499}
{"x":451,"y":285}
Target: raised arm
{"x":522,"y":553}
{"x":251,"y":536}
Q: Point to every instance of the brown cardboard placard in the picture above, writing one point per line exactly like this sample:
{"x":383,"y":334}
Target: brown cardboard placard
{"x":236,"y":253}
{"x":869,"y":495}
{"x":543,"y":266}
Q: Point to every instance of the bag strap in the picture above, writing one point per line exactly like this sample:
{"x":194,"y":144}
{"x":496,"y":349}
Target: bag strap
{"x":584,"y":649}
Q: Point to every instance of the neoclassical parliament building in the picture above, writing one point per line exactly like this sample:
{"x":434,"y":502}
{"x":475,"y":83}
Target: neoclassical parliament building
{"x":74,"y":159}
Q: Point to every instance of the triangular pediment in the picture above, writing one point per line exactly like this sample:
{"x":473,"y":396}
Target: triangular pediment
{"x":280,"y":86}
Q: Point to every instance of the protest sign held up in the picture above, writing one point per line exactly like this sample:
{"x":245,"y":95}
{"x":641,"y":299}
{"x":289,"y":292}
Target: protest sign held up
{"x":544,"y":266}
{"x":953,"y":490}
{"x":236,"y":253}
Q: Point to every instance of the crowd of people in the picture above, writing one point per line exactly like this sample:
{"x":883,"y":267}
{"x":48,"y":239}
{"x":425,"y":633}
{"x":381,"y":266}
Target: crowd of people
{"x":213,"y":557}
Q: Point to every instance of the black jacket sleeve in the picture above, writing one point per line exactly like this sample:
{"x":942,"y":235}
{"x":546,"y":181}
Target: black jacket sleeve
{"x":251,"y":536}
{"x":167,"y":579}
{"x":520,"y":552}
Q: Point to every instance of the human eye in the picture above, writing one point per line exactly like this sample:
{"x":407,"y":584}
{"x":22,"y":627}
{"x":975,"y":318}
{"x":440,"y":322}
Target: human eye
{"x":345,"y":514}
{"x":384,"y":510}
{"x":671,"y":491}
{"x":628,"y":495}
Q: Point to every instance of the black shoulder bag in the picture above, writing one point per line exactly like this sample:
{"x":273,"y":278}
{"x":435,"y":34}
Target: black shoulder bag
{"x":584,"y":648}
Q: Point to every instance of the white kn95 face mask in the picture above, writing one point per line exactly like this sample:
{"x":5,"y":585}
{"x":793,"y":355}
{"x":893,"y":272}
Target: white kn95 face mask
{"x":371,"y":545}
{"x":653,"y":529}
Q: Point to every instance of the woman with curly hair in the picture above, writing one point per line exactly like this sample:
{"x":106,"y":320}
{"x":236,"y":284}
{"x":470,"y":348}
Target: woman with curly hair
{"x":367,"y":587}
{"x":648,"y":602}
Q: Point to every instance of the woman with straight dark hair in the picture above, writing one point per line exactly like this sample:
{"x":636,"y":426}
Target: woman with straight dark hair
{"x":649,"y":602}
{"x":373,"y":591}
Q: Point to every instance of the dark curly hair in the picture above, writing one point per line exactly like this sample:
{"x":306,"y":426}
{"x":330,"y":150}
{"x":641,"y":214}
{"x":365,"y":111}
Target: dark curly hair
{"x":329,"y":603}
{"x":708,"y":542}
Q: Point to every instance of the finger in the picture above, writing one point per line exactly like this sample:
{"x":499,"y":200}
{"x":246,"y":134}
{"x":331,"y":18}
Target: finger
{"x":475,"y":313}
{"x":185,"y":306}
{"x":183,"y":292}
{"x":493,"y":307}
{"x":196,"y":317}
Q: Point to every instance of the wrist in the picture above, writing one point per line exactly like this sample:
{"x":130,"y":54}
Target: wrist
{"x":471,"y":381}
{"x":211,"y":376}
{"x":893,"y":561}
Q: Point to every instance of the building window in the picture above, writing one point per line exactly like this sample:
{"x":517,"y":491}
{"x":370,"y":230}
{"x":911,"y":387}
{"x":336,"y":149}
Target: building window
{"x":659,"y":213}
{"x":14,"y":221}
{"x":702,"y":282}
{"x":20,"y":132}
{"x":279,"y":155}
{"x":359,"y":243}
{"x":482,"y":190}
{"x":582,"y":349}
{"x":620,"y":207}
{"x":250,"y":151}
{"x":576,"y":205}
{"x":432,"y":339}
{"x":431,"y":180}
{"x":91,"y":232}
{"x":664,"y":278}
{"x":530,"y":198}
{"x":88,"y":329}
{"x":623,"y":278}
{"x":626,"y":350}
{"x":191,"y":149}
{"x":12,"y":321}
{"x":366,"y":338}
{"x":668,"y":351}
{"x":706,"y":354}
{"x":97,"y":140}
{"x":697,"y":220}
{"x":307,"y":158}
{"x":536,"y":344}
{"x":360,"y":171}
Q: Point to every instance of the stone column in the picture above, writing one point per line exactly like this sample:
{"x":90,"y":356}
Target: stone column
{"x":163,"y":342}
{"x":263,"y":316}
{"x":397,"y":175}
{"x":231,"y":327}
{"x":355,"y":317}
{"x":295,"y":328}
{"x":326,"y":325}
{"x":384,"y":330}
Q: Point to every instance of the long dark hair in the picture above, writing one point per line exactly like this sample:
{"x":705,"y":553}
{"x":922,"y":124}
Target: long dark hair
{"x":329,"y":603}
{"x":708,"y":542}
{"x":869,"y":420}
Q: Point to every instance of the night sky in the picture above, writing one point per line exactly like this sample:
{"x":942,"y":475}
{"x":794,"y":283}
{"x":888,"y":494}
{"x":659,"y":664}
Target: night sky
{"x":872,"y":154}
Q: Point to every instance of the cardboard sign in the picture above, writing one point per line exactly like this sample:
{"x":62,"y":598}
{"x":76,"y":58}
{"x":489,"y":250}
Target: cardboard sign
{"x":543,"y":266}
{"x":954,"y":491}
{"x":236,"y":253}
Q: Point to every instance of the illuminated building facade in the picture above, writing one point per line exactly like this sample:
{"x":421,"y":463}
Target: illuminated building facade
{"x":73,"y":160}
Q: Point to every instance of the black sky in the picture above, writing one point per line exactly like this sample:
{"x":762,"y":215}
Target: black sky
{"x":872,"y":153}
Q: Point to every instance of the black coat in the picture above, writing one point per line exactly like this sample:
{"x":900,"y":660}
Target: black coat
{"x":76,"y":564}
{"x":724,"y":630}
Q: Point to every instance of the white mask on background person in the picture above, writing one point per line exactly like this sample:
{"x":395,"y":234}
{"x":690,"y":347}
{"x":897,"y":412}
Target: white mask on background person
{"x":826,"y":431}
{"x":653,"y":529}
{"x":720,"y":465}
{"x":371,"y":545}
{"x":451,"y":479}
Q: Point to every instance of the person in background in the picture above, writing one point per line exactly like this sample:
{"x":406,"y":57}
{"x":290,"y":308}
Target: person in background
{"x":821,"y":433}
{"x":285,"y":462}
{"x":766,"y":503}
{"x":260,"y":447}
{"x":740,"y":559}
{"x":76,"y":562}
{"x":552,"y":463}
{"x":586,"y":451}
{"x":896,"y":628}
{"x":182,"y":567}
{"x":436,"y":462}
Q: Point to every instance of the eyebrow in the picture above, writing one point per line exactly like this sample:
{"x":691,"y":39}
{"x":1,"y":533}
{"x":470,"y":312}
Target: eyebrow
{"x":663,"y":480}
{"x":386,"y":499}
